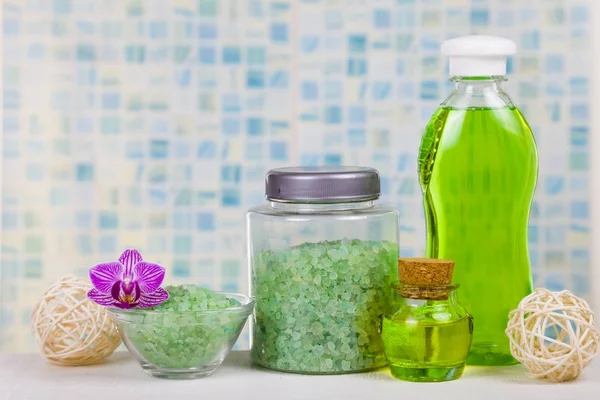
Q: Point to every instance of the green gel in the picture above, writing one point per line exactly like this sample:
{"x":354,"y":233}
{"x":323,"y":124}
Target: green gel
{"x":478,"y":169}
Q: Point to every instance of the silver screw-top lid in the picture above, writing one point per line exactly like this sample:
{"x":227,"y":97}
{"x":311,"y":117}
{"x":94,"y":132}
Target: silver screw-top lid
{"x":322,"y":184}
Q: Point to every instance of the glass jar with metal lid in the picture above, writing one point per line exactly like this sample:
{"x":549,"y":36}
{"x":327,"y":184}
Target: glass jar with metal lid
{"x":323,"y":258}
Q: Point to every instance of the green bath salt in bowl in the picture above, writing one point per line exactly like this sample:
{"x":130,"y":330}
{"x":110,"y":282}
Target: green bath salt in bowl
{"x":186,"y":337}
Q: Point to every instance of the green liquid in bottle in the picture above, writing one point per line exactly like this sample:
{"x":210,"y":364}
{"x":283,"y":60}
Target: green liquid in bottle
{"x":478,"y":170}
{"x":427,"y":351}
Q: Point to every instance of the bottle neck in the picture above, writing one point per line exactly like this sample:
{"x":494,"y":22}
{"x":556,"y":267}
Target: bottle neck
{"x":473,"y":84}
{"x":426,"y":305}
{"x":420,"y":293}
{"x":478,"y":92}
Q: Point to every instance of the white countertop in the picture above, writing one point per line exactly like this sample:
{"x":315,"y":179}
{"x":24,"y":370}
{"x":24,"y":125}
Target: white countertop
{"x":120,"y":377}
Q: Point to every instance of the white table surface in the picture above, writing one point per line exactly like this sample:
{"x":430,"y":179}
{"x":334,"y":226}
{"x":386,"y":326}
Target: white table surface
{"x":120,"y":377}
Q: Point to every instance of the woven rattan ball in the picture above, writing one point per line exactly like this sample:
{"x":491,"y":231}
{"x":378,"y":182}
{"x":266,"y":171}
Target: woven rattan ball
{"x":553,"y":334}
{"x":69,"y":328}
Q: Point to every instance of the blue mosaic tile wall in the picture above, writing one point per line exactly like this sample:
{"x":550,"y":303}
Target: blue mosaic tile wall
{"x":151,"y":124}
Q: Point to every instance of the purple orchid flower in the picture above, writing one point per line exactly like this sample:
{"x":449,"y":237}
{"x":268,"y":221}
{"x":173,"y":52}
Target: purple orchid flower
{"x":130,"y":282}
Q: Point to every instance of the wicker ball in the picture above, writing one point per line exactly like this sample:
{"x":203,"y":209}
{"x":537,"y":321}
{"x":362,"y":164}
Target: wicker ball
{"x":70,"y":329}
{"x":553,"y":334}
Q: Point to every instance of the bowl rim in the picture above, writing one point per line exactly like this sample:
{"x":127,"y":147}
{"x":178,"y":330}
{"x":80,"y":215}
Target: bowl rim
{"x":247,"y":305}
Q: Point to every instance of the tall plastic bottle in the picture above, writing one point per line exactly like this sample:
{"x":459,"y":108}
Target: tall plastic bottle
{"x":478,"y":169}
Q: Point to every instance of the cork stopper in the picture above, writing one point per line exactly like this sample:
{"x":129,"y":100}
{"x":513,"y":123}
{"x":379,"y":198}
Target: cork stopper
{"x":425,"y":278}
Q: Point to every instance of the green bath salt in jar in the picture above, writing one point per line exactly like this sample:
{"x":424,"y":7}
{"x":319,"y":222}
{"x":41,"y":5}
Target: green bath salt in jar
{"x":323,"y":257}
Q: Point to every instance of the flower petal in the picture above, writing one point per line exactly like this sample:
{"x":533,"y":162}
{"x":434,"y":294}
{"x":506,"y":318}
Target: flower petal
{"x":153,"y":299}
{"x":102,"y":298}
{"x":129,"y":258}
{"x":104,"y":276}
{"x":149,"y":276}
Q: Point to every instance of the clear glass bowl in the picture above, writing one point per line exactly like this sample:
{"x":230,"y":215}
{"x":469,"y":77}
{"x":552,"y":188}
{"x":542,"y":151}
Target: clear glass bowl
{"x":182,"y":345}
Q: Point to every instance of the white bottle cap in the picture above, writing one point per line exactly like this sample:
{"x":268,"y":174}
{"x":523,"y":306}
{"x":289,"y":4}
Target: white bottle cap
{"x":478,"y":55}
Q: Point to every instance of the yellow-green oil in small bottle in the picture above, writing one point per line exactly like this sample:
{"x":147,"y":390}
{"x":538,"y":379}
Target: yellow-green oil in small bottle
{"x":427,"y":351}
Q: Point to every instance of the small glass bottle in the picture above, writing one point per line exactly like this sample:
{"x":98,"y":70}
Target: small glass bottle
{"x":426,"y":332}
